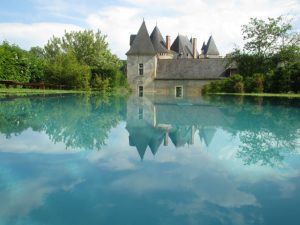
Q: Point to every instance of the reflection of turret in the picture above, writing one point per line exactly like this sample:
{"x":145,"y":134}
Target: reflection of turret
{"x":142,"y":137}
{"x":153,"y":121}
{"x":182,"y":135}
{"x":166,"y":128}
{"x":156,"y":140}
{"x":207,"y":134}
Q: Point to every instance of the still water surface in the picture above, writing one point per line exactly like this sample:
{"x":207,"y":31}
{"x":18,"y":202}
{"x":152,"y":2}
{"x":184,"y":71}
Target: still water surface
{"x":68,"y":160}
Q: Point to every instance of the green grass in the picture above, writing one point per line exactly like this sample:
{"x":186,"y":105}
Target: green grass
{"x":27,"y":92}
{"x":285,"y":95}
{"x":24,"y":92}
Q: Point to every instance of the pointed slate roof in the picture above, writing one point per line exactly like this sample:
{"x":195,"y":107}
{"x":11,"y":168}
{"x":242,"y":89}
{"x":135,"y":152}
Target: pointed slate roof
{"x":192,"y":69}
{"x":132,"y":37}
{"x":142,"y":43}
{"x":182,"y":46}
{"x":158,"y":41}
{"x":211,"y":48}
{"x":203,"y":46}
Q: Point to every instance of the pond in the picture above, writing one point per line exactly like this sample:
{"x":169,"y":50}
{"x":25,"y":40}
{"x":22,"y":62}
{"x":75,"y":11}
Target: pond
{"x":76,"y":159}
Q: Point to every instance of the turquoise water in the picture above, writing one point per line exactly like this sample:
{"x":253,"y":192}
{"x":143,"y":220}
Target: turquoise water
{"x":93,"y":160}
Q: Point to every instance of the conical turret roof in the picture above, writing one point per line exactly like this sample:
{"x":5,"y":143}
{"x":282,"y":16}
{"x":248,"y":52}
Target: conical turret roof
{"x":142,"y":43}
{"x":182,"y":46}
{"x":211,"y":48}
{"x":158,"y":41}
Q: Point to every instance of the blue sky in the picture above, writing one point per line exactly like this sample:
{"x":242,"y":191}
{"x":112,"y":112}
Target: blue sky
{"x":32,"y":22}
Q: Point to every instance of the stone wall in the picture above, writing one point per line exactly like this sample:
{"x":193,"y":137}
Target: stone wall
{"x":190,"y":87}
{"x":161,"y":76}
{"x":145,"y":80}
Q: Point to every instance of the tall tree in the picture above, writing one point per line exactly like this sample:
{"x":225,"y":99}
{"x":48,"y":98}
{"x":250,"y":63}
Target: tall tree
{"x":66,"y":70}
{"x":90,"y":49}
{"x":267,"y":37}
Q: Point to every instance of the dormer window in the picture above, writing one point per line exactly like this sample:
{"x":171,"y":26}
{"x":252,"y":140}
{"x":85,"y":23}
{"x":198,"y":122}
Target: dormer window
{"x":141,"y":69}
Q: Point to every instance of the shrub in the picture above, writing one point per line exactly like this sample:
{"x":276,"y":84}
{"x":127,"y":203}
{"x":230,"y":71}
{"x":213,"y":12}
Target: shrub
{"x":101,"y":84}
{"x":66,"y":70}
{"x":258,"y":83}
{"x":239,"y":87}
{"x":234,"y":84}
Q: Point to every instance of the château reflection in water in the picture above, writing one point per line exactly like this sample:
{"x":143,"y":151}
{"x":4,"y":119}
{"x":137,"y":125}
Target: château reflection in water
{"x":151,"y":123}
{"x":198,"y":172}
{"x":265,"y":129}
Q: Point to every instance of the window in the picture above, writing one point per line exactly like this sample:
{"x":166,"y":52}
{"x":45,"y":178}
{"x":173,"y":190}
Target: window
{"x":141,"y":91}
{"x":141,"y":113}
{"x":178,"y":92}
{"x":141,"y":69}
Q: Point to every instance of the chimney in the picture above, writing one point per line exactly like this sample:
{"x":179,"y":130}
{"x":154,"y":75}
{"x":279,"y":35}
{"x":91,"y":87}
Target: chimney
{"x":168,"y":42}
{"x":194,"y":42}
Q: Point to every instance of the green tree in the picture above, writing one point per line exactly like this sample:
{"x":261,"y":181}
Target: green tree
{"x":255,"y":83}
{"x":89,"y":48}
{"x":37,"y":64}
{"x":269,"y":61}
{"x":66,"y":70}
{"x":19,"y":65}
{"x":14,"y":63}
{"x":266,"y":37}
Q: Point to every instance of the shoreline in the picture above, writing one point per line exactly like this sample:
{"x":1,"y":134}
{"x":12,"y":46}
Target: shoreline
{"x":29,"y":92}
{"x":281,"y":95}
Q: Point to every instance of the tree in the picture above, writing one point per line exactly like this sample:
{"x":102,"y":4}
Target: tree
{"x":89,"y":48}
{"x":37,"y":64}
{"x":66,"y":70}
{"x":270,"y":58}
{"x":266,"y":37}
{"x":14,"y":63}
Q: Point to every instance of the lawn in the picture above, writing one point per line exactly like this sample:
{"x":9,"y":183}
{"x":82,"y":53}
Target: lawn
{"x":24,"y":92}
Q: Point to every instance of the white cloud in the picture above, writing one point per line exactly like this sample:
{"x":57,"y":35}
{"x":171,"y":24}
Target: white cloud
{"x":118,"y":23}
{"x":195,"y":18}
{"x":20,"y":201}
{"x":36,"y":34}
{"x":25,"y":195}
{"x":30,"y":141}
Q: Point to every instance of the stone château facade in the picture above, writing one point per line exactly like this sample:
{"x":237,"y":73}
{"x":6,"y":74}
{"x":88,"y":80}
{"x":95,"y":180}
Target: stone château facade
{"x":155,"y":66}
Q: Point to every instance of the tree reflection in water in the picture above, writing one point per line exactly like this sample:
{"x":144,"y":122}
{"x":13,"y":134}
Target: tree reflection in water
{"x":81,"y":121}
{"x":267,"y":128}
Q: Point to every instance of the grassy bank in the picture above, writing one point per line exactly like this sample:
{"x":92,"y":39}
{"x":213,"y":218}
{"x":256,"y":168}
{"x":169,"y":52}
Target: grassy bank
{"x":28,"y":92}
{"x":24,"y":92}
{"x":283,"y":95}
